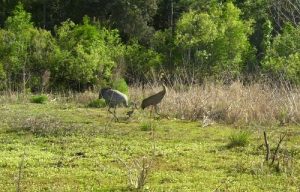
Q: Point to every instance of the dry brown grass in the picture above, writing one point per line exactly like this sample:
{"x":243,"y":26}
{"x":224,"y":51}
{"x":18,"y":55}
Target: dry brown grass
{"x":257,"y":103}
{"x":232,"y":104}
{"x":67,"y":97}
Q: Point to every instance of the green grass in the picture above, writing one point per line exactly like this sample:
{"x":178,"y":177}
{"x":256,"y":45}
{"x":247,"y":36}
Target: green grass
{"x":97,"y":103}
{"x":148,"y":126}
{"x":69,"y":148}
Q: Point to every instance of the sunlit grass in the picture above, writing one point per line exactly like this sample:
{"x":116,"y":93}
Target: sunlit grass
{"x":68,"y":147}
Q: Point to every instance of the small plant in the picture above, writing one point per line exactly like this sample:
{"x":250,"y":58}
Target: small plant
{"x":283,"y":117}
{"x":97,"y":103}
{"x":39,"y":99}
{"x":148,"y":126}
{"x":138,"y":172}
{"x":240,"y":139}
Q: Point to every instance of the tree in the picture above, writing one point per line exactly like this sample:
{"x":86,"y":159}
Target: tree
{"x":214,"y":42}
{"x":283,"y":57}
{"x":17,"y":41}
{"x":85,"y":54}
{"x":141,"y":63}
{"x":284,"y":11}
{"x":41,"y":58}
{"x":2,"y":78}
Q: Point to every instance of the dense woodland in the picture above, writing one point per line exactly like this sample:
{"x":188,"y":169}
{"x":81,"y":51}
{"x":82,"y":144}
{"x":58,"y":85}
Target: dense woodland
{"x":81,"y":44}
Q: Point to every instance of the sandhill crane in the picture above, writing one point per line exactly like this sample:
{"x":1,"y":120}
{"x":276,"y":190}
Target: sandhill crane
{"x":154,"y":100}
{"x":113,"y":98}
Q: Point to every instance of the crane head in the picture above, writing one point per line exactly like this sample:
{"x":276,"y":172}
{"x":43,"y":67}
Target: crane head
{"x":102,"y":91}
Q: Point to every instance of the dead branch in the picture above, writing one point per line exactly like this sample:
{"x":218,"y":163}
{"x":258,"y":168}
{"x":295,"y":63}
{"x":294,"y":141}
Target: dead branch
{"x":277,"y":148}
{"x":267,"y":146}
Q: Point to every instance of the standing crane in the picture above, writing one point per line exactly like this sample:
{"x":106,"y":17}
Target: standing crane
{"x":154,"y":100}
{"x":113,"y":98}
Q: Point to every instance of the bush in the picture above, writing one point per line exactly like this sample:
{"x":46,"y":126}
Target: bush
{"x":97,"y":103}
{"x":39,"y":99}
{"x":216,"y":42}
{"x":120,"y":85}
{"x":240,"y":139}
{"x":282,"y":58}
{"x":141,"y":62}
{"x":86,"y":52}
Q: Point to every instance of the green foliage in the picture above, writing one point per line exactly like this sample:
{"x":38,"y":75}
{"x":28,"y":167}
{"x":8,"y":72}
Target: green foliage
{"x":239,"y":139}
{"x":283,"y":57}
{"x":2,"y":77}
{"x":163,"y":43}
{"x":41,"y":99}
{"x":26,"y":51}
{"x":195,"y":28}
{"x":203,"y":39}
{"x":214,"y":42}
{"x":85,"y":54}
{"x":120,"y":85}
{"x":16,"y":43}
{"x":97,"y":103}
{"x":20,"y":19}
{"x":132,"y":18}
{"x":79,"y":57}
{"x":148,"y":126}
{"x":41,"y":56}
{"x":141,"y":62}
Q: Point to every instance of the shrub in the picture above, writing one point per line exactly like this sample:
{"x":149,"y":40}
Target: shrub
{"x":85,"y":53}
{"x":240,"y":139}
{"x":282,"y":57}
{"x":39,"y":99}
{"x":141,"y":62}
{"x":214,"y":42}
{"x":120,"y":85}
{"x":97,"y":103}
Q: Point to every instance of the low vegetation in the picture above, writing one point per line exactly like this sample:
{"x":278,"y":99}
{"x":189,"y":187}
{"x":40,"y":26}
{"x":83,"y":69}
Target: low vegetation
{"x":97,"y":103}
{"x":237,"y":104}
{"x":239,"y":139}
{"x":65,"y":146}
{"x":39,"y":99}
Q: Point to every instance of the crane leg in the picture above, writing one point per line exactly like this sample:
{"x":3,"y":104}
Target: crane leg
{"x":156,"y":109}
{"x":113,"y":113}
{"x":109,"y":110}
{"x":151,"y":109}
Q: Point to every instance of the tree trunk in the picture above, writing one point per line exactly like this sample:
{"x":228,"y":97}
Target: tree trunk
{"x":24,"y":79}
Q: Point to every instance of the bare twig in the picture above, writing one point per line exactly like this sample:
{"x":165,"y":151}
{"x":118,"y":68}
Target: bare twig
{"x":138,"y":171}
{"x":267,"y":146}
{"x":277,"y":148}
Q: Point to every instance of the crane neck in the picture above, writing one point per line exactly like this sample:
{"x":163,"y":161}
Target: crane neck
{"x":164,"y":88}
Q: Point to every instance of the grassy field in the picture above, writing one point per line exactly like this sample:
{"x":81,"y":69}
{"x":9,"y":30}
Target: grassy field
{"x":60,"y":146}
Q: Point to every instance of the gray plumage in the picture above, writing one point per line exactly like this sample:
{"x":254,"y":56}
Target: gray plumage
{"x":113,"y":98}
{"x":154,"y":100}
